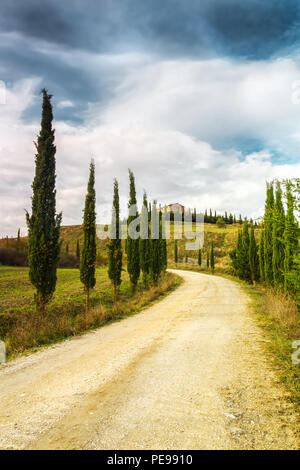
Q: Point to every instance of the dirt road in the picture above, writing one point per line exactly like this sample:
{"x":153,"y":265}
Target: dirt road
{"x":190,"y":372}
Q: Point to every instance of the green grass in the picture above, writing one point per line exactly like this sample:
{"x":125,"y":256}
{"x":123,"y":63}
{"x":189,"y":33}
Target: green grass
{"x":23,"y":329}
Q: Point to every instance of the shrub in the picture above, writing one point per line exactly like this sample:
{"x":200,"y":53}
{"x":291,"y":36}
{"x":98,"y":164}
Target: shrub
{"x":11,"y":257}
{"x":67,"y":260}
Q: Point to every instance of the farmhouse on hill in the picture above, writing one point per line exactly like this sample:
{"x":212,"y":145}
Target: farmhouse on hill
{"x":176,"y":207}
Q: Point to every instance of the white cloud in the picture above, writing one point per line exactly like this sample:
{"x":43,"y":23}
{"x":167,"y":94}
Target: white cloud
{"x":161,"y":124}
{"x":65,"y":104}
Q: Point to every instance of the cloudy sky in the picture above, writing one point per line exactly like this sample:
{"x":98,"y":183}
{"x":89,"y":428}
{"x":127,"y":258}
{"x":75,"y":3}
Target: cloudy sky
{"x":198,"y":97}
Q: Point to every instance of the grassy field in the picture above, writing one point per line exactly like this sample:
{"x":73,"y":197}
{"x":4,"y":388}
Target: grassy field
{"x":21,"y":328}
{"x":224,"y":239}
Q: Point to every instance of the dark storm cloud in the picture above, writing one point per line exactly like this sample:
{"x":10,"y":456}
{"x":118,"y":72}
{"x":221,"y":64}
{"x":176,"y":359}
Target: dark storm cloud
{"x":252,"y":28}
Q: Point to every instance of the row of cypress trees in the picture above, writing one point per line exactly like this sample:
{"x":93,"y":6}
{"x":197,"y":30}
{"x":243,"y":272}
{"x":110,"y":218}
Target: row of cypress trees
{"x":244,"y":257}
{"x":148,"y":256}
{"x":275,"y":261}
{"x":146,"y":253}
{"x":279,"y":241}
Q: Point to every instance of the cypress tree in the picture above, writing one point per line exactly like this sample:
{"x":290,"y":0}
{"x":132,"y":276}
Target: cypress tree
{"x":114,"y":245}
{"x":239,"y":255}
{"x":245,"y":262}
{"x":253,"y":257}
{"x":199,"y":257}
{"x":291,"y":235}
{"x":207,"y":257}
{"x":88,"y":254}
{"x":242,"y":253}
{"x":145,"y":251}
{"x":175,"y":252}
{"x":19,"y":240}
{"x":44,"y":224}
{"x":212,"y":257}
{"x":164,"y":251}
{"x":155,"y":245}
{"x":133,"y":254}
{"x":278,"y":230}
{"x":262,"y":256}
{"x":233,"y":257}
{"x":268,"y":235}
{"x":78,"y":249}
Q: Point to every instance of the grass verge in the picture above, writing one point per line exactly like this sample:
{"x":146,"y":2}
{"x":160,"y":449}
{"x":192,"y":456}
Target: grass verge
{"x":278,"y":316}
{"x":23,"y":329}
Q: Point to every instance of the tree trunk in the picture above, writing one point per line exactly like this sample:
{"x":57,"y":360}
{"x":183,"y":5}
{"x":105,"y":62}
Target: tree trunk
{"x":87,"y":303}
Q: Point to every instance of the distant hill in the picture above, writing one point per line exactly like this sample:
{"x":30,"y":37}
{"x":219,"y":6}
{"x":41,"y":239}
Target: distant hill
{"x":224,"y":239}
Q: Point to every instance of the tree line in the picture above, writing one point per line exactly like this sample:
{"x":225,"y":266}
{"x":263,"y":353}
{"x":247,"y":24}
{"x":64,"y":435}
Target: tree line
{"x":275,"y":259}
{"x":145,"y":254}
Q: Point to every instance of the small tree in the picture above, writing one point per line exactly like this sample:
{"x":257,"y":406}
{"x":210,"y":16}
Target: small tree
{"x":262,"y":256}
{"x":291,"y":236}
{"x":212,"y":257}
{"x":207,"y":257}
{"x":88,"y":255}
{"x":19,"y":240}
{"x":155,"y":245}
{"x":199,"y":257}
{"x":253,"y":257}
{"x":268,"y":235}
{"x":175,"y":252}
{"x":163,"y":243}
{"x":278,"y":230}
{"x":78,"y":249}
{"x":114,"y":245}
{"x":221,"y":222}
{"x":44,"y":224}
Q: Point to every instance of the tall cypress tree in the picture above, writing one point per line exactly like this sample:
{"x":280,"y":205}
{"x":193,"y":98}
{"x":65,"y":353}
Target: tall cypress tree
{"x":199,"y":257}
{"x":44,"y":224}
{"x":262,"y":256}
{"x":114,"y":245}
{"x":163,"y":242}
{"x":245,"y":252}
{"x":88,"y":255}
{"x":268,"y":235}
{"x":253,"y":257}
{"x":207,"y":257}
{"x":133,"y":254}
{"x":212,"y":257}
{"x":155,"y":244}
{"x":278,"y":230}
{"x":242,"y":253}
{"x":145,"y":251}
{"x":291,"y":236}
{"x":239,"y":255}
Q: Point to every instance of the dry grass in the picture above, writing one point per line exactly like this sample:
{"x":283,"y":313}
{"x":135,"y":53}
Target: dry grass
{"x":282,"y":308}
{"x":30,"y":330}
